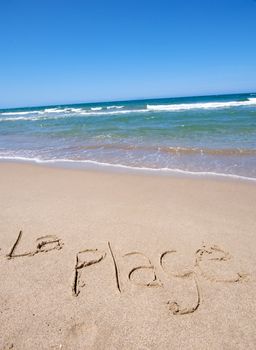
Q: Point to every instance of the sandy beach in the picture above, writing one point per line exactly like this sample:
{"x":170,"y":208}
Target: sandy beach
{"x":103,"y":260}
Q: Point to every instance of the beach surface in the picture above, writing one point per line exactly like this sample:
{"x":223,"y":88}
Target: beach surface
{"x":104,"y":260}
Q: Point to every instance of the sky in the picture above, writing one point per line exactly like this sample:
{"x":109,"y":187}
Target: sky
{"x":60,"y":51}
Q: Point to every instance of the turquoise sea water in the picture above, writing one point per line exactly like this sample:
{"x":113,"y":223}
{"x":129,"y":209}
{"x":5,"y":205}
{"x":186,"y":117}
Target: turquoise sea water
{"x":203,"y":135}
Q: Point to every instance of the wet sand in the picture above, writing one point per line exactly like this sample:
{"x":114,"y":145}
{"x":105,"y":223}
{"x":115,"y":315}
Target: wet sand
{"x":100,"y":260}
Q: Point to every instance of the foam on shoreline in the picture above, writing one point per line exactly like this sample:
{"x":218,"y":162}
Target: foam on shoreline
{"x":127,"y":167}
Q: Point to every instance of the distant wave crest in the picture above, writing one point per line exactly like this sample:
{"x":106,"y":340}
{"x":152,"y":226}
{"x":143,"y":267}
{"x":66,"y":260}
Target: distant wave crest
{"x":115,"y":107}
{"x":64,"y":112}
{"x":49,"y":114}
{"x":96,"y":108}
{"x":204,"y":105}
{"x":19,"y":113}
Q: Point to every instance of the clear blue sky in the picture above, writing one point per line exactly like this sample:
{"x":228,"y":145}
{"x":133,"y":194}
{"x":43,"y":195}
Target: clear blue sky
{"x":60,"y":51}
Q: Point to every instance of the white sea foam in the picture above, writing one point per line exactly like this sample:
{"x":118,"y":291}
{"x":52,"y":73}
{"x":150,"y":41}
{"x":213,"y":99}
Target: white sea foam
{"x":96,"y":108}
{"x":133,"y":168}
{"x":66,"y":113}
{"x":127,"y":111}
{"x":19,"y":113}
{"x":53,"y":110}
{"x":45,"y":111}
{"x":19,"y":118}
{"x":115,"y":107}
{"x":205,"y":105}
{"x":59,"y":113}
{"x":60,"y":110}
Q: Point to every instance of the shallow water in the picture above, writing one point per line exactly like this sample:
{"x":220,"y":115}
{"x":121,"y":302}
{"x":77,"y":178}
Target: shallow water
{"x":212,"y":134}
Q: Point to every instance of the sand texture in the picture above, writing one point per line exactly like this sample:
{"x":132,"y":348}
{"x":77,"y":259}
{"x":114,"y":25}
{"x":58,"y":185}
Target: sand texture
{"x":97,"y":260}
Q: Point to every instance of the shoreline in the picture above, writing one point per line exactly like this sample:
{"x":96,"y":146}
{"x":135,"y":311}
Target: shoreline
{"x":85,"y":165}
{"x":198,"y":136}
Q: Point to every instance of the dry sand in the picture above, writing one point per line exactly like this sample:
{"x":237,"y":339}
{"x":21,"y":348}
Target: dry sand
{"x":164,"y":262}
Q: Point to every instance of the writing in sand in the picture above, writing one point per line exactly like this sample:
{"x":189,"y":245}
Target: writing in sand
{"x":207,"y":263}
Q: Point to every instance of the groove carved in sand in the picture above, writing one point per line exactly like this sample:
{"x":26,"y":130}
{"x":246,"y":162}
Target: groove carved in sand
{"x":116,"y":268}
{"x":207,"y":261}
{"x":155,"y":282}
{"x":44,"y":244}
{"x":80,"y":264}
{"x":174,"y":307}
{"x":215,"y":253}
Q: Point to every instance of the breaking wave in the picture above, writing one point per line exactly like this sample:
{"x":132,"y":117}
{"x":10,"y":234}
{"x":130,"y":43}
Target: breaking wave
{"x":204,"y":105}
{"x":67,"y":112}
{"x":63,"y":112}
{"x":96,"y":108}
{"x":115,"y":107}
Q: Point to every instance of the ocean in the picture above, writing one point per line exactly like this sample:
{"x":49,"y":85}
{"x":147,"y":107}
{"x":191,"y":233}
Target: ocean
{"x":209,"y":135}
